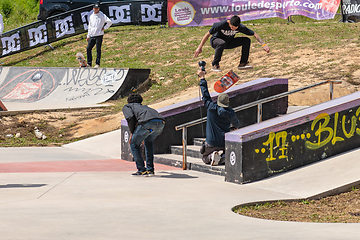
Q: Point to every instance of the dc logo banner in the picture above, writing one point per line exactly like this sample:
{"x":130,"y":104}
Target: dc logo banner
{"x":37,"y":35}
{"x":64,"y":27}
{"x":85,"y":19}
{"x":151,"y":12}
{"x":120,"y":14}
{"x":76,"y":22}
{"x":11,"y":44}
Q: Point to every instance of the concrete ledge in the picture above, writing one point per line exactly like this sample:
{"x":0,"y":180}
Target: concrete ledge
{"x":305,"y":136}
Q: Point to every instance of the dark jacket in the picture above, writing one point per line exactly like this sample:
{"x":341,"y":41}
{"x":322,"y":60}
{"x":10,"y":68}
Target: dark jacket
{"x":137,"y":114}
{"x":218,"y":119}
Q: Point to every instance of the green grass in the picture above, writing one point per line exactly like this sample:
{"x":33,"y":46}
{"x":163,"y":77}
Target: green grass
{"x":17,"y":13}
{"x":168,"y":52}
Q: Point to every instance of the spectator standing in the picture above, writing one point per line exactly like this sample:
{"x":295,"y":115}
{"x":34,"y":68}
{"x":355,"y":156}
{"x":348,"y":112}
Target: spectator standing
{"x":98,"y":22}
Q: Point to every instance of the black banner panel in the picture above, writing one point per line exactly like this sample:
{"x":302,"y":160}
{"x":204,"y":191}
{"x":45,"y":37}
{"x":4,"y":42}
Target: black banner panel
{"x":350,"y":10}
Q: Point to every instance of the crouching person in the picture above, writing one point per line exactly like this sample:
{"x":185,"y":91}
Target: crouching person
{"x":145,"y":124}
{"x":219,"y":118}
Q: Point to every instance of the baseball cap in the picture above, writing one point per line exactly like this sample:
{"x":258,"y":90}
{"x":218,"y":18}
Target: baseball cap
{"x":96,"y":5}
{"x":223,"y":100}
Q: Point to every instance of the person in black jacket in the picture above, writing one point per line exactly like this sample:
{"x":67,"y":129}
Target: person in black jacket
{"x":219,"y":118}
{"x":145,"y":124}
{"x":223,"y":37}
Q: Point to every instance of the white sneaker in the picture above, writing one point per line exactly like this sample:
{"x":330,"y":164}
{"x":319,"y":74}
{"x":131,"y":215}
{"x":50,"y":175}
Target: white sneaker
{"x":244,"y":66}
{"x":216,"y":68}
{"x":215,"y":158}
{"x":97,"y":66}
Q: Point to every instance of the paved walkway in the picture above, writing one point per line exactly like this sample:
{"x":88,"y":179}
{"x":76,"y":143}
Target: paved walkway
{"x":84,"y":191}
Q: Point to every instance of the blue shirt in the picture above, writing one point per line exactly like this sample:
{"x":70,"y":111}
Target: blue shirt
{"x":218,"y":119}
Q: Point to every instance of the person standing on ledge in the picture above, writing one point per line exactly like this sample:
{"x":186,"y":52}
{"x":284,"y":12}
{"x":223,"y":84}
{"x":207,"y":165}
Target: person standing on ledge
{"x":98,"y":22}
{"x":223,"y":33}
{"x":145,"y":124}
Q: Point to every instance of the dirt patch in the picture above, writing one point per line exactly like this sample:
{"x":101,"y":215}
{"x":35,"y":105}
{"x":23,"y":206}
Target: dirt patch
{"x":342,"y":208}
{"x":58,"y":127}
{"x":15,"y":130}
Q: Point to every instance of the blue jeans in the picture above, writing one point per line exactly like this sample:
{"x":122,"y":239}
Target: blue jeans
{"x":146,"y":132}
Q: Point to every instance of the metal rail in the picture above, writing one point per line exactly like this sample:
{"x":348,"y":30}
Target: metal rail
{"x":257,"y":103}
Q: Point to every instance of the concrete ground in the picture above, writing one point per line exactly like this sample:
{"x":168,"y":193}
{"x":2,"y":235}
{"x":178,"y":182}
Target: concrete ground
{"x":84,"y":191}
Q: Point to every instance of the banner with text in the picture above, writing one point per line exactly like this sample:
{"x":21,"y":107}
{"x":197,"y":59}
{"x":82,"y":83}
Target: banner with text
{"x":350,"y":10}
{"x":75,"y":22}
{"x":206,"y":12}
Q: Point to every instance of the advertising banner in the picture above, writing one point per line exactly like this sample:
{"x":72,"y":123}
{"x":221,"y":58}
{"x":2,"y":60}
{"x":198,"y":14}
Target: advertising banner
{"x":75,"y":22}
{"x":350,"y":10}
{"x":206,"y":12}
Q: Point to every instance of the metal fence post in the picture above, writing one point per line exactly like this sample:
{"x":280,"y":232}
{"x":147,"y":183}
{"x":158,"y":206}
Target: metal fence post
{"x":331,"y":90}
{"x":259,"y":112}
{"x":184,"y":143}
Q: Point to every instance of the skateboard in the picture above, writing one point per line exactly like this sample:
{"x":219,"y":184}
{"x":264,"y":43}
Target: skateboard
{"x":226,"y":82}
{"x":82,"y":62}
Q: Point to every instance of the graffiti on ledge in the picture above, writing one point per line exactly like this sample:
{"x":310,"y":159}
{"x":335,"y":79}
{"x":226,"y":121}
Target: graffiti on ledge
{"x":324,"y":132}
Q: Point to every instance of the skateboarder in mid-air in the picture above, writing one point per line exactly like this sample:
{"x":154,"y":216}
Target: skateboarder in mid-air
{"x":223,"y":38}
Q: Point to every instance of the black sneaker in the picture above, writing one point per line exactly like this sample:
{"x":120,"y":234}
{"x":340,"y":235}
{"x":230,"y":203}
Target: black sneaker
{"x":141,"y":174}
{"x":150,"y":173}
{"x":202,"y":149}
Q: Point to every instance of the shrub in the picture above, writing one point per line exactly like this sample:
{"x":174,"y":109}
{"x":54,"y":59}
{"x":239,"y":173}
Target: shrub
{"x":7,"y":8}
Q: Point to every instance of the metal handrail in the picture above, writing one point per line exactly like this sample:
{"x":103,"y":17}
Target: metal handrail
{"x":257,"y":103}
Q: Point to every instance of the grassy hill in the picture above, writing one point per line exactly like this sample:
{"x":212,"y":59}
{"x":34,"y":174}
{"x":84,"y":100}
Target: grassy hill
{"x":168,"y":52}
{"x":305,"y":52}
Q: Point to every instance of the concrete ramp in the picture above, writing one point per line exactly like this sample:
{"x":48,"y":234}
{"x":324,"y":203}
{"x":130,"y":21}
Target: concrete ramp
{"x":29,"y":88}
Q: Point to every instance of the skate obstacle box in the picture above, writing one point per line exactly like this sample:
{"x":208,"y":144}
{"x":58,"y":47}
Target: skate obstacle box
{"x":293,"y":140}
{"x":193,"y":109}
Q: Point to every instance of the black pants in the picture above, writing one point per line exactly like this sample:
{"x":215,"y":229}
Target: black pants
{"x":206,"y":157}
{"x":92,"y":41}
{"x":219,"y":45}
